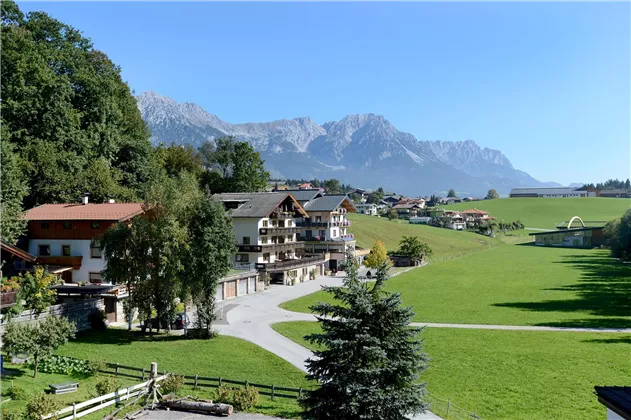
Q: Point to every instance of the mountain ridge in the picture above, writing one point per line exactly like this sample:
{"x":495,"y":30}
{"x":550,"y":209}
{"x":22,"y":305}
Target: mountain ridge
{"x":362,"y":149}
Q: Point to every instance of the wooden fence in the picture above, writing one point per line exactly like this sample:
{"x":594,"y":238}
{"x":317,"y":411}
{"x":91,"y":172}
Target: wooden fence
{"x":197,"y":381}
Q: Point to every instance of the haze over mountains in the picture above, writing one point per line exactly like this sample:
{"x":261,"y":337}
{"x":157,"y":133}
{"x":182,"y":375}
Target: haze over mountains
{"x":364,"y":150}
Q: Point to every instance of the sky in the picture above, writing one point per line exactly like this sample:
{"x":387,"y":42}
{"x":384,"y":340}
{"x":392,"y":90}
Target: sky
{"x":548,"y":84}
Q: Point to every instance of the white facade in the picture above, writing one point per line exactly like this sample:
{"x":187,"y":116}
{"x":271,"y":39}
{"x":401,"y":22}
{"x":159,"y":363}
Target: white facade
{"x":369,"y":209}
{"x":246,"y":232}
{"x":327,"y":225}
{"x":78,"y":248}
{"x":420,"y":220}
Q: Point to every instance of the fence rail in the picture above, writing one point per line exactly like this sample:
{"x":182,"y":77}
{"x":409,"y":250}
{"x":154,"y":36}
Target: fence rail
{"x":197,"y":381}
{"x":448,"y":410}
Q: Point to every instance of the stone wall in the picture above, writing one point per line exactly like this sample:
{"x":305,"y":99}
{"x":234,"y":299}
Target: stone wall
{"x":76,"y":311}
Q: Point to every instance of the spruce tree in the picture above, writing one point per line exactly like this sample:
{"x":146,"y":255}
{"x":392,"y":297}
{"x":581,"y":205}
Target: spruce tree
{"x":371,"y":359}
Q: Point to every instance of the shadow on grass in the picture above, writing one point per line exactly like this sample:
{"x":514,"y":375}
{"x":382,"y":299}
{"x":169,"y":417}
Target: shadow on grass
{"x":124,"y":337}
{"x":617,"y":340}
{"x":604,"y":289}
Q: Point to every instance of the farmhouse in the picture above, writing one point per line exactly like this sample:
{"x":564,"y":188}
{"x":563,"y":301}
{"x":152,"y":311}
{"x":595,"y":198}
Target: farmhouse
{"x":568,"y":237}
{"x":407,"y":210}
{"x":561,"y":192}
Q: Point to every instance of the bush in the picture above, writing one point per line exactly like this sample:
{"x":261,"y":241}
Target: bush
{"x":224,"y":394}
{"x":105,"y":385}
{"x":16,"y":392}
{"x":94,"y":367}
{"x":245,"y":398}
{"x":97,"y":319}
{"x":68,"y":366}
{"x":11,"y":415}
{"x":172,"y":384}
{"x":40,"y":405}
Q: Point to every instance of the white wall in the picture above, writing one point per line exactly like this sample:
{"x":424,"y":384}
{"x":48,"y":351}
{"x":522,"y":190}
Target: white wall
{"x":613,"y":416}
{"x":78,"y":248}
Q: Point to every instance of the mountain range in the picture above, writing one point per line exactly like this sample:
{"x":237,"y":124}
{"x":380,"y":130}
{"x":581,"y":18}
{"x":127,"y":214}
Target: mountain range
{"x":364,"y":150}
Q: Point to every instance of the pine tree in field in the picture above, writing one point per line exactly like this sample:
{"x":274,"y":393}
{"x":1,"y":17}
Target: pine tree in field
{"x":371,"y":359}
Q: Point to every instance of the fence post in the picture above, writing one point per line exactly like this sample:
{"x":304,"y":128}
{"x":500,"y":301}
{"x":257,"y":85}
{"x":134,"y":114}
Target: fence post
{"x":300,"y":393}
{"x":195,"y":383}
{"x":273,"y":389}
{"x":74,"y":410}
{"x":220,"y":381}
{"x":116,"y":369}
{"x":143,"y":374}
{"x":448,"y":405}
{"x":154,"y":370}
{"x":246,"y":384}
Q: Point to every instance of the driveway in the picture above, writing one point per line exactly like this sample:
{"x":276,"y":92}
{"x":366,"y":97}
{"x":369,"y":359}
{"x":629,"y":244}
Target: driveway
{"x":249,"y":317}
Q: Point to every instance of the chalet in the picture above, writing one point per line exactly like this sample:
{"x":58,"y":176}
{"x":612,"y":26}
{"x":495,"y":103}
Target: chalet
{"x":304,"y":196}
{"x":454,"y":220}
{"x":266,"y":235}
{"x":325,"y":228}
{"x":391,"y":200}
{"x":405,"y":211}
{"x":367,"y":208}
{"x":474,"y":215}
{"x":305,"y":186}
{"x":60,"y":236}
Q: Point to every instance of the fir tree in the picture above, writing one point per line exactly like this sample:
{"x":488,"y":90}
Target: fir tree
{"x":371,"y":359}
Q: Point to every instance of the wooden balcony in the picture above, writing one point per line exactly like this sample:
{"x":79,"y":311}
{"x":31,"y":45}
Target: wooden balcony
{"x":284,"y":265}
{"x":279,"y":230}
{"x":74,"y":262}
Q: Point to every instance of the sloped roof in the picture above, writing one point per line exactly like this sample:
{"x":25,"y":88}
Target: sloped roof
{"x":554,"y":191}
{"x":305,"y":195}
{"x":256,"y":205}
{"x":91,"y":211}
{"x":17,"y":252}
{"x":474,"y":211}
{"x":616,"y":398}
{"x":329,"y":203}
{"x":406,"y":206}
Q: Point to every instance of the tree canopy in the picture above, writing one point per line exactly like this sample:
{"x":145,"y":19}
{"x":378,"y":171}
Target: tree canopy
{"x":492,"y":195}
{"x":618,"y":233}
{"x":413,"y":247}
{"x":451,"y":193}
{"x":378,"y":256}
{"x":370,"y":358}
{"x":64,"y":106}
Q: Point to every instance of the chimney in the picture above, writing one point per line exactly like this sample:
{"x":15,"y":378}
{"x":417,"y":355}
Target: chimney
{"x":85,"y":198}
{"x":111,"y":201}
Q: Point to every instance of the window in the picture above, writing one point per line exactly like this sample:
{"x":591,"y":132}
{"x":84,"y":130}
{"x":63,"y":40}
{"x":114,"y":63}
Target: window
{"x":318,"y":218}
{"x":65,"y":250}
{"x":246,"y":240}
{"x":67,"y":225}
{"x":290,"y":238}
{"x":95,"y":251}
{"x":266,"y":257}
{"x":45,"y":225}
{"x":96,"y":225}
{"x":304,"y":270}
{"x":334,"y":233}
{"x":95,"y":278}
{"x":263,"y":239}
{"x":322,"y":233}
{"x":265,"y":223}
{"x":242,"y":258}
{"x":44,"y":250}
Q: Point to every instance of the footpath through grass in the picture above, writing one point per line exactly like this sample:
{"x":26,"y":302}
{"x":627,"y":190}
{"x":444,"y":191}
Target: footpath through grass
{"x":516,"y":374}
{"x":546,"y":213}
{"x":446,"y":243}
{"x":515,"y":285}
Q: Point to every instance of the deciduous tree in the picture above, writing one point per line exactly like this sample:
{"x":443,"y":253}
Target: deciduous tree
{"x":451,"y":193}
{"x":492,"y":194}
{"x":12,"y":192}
{"x":378,"y":256}
{"x":38,"y":339}
{"x":413,"y":247}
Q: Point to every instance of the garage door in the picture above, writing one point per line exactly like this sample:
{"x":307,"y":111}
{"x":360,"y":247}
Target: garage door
{"x":219,"y":294}
{"x":252,"y":284}
{"x":230,"y":289}
{"x":243,"y":287}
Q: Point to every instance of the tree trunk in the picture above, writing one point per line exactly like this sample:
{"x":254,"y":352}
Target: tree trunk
{"x":205,"y":407}
{"x":35,"y":361}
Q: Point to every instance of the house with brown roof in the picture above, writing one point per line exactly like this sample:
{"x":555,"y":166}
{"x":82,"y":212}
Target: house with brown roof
{"x":474,"y":215}
{"x":60,"y":236}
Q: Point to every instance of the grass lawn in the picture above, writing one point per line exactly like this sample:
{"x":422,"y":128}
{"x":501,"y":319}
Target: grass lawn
{"x":516,"y":374}
{"x":223,"y":356}
{"x":515,"y":285}
{"x":546,"y":213}
{"x":446,"y":243}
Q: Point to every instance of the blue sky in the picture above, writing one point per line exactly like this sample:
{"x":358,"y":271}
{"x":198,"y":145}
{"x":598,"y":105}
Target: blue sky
{"x":546,"y":83}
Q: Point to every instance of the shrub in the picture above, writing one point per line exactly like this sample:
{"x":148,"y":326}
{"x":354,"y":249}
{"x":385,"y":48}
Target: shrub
{"x":94,"y":367}
{"x":172,"y":384}
{"x":67,"y":366}
{"x":245,"y":398}
{"x":224,"y":394}
{"x":16,"y":392}
{"x":105,"y":385}
{"x":97,"y":319}
{"x":11,"y":415}
{"x":312,"y":274}
{"x":41,"y":405}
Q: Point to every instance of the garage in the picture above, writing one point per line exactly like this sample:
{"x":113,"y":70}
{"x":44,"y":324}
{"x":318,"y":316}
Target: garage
{"x":243,"y":287}
{"x":252,"y":281}
{"x":219,"y":294}
{"x":230,"y":289}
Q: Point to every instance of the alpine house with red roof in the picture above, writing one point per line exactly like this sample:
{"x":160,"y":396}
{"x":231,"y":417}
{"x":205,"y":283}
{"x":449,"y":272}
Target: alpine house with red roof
{"x":60,"y":236}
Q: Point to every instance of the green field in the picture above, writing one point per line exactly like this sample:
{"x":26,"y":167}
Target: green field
{"x":546,"y":213}
{"x":516,"y":374}
{"x":446,"y":243}
{"x":515,"y":285}
{"x":223,"y":356}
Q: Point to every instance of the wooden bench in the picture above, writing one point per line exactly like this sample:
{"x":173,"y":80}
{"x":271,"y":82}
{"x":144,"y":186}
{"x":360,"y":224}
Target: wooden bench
{"x":63,"y":388}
